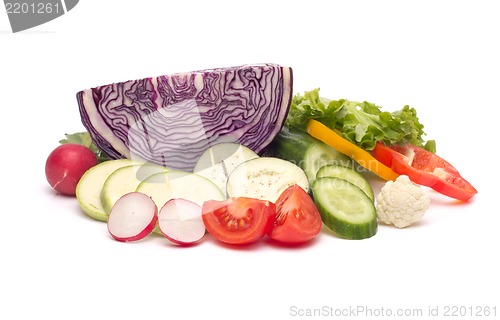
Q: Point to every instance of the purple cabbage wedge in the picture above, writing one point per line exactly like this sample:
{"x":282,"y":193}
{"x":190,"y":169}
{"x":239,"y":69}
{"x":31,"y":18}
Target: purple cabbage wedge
{"x":170,"y":120}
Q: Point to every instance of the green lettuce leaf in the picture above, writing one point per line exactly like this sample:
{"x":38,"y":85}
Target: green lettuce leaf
{"x":84,"y":138}
{"x":362,"y":123}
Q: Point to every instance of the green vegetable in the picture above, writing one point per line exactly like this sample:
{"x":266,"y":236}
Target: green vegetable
{"x":345,"y":208}
{"x":89,"y":188}
{"x":84,"y":138}
{"x":308,"y":153}
{"x":124,"y":180}
{"x":362,"y":123}
{"x":348,"y":174}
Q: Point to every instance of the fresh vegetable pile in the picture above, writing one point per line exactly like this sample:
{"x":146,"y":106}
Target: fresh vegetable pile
{"x":231,"y":152}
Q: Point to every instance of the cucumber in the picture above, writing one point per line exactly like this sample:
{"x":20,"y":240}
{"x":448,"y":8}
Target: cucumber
{"x":349,"y":174}
{"x":265,"y":178}
{"x":305,"y":151}
{"x":345,"y":208}
{"x":218,"y":161}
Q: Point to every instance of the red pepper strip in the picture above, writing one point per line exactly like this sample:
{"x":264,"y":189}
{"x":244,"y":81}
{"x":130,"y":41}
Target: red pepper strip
{"x":425,"y":168}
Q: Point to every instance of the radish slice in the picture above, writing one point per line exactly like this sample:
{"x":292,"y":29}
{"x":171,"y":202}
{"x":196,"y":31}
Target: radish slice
{"x":132,"y":217}
{"x":180,"y":221}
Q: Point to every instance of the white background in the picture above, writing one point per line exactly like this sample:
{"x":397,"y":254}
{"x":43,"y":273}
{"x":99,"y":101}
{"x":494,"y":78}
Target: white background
{"x":440,"y":57}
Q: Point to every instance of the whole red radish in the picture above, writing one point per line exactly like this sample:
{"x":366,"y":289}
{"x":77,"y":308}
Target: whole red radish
{"x":66,"y":165}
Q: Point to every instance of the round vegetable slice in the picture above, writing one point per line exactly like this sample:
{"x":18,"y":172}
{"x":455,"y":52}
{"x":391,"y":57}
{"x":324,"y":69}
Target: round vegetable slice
{"x":163,"y":186}
{"x":265,"y":178}
{"x":238,"y":220}
{"x":218,"y":161}
{"x":124,"y":180}
{"x":132,"y":217}
{"x":180,"y":221}
{"x":89,"y":188}
{"x":345,"y":208}
{"x":349,"y":174}
{"x":297,"y":218}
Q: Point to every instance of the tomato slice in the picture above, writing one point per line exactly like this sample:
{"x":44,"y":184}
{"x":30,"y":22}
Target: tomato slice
{"x":425,"y":168}
{"x":238,"y":220}
{"x":297,"y":218}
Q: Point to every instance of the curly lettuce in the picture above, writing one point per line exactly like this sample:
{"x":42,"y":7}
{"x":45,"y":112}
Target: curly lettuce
{"x":84,"y":138}
{"x":362,"y":123}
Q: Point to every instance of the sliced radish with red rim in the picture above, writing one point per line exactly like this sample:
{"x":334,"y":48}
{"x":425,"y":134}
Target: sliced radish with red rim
{"x":180,"y":221}
{"x":132,"y":217}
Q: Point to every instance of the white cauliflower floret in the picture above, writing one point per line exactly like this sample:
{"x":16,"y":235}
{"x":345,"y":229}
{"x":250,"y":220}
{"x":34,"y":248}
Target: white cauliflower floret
{"x":401,"y":202}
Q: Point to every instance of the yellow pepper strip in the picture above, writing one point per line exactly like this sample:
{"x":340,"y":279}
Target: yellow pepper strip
{"x":321,"y":132}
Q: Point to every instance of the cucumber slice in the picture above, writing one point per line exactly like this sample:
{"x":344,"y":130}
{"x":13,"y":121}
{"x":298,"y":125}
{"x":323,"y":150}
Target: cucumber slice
{"x":218,"y":161}
{"x":89,"y":188}
{"x":265,"y":178}
{"x":125,"y":180}
{"x":348,"y":174}
{"x":345,"y":208}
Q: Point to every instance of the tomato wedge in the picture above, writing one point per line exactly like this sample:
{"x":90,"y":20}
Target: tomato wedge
{"x":297,"y":218}
{"x":238,"y":220}
{"x":425,"y":168}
